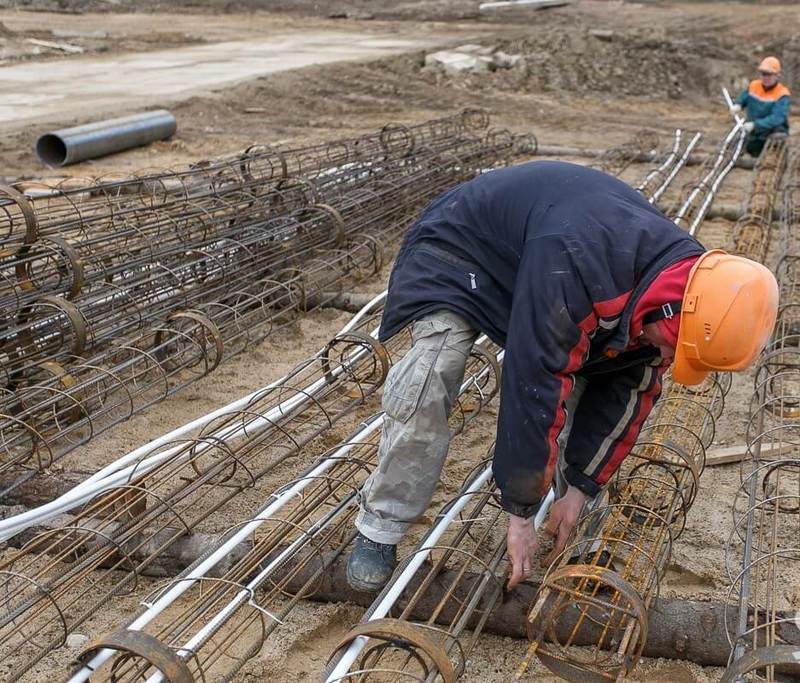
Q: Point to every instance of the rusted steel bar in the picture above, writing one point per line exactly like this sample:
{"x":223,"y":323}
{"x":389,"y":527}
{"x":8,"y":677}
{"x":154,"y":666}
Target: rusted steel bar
{"x":179,"y":489}
{"x":763,"y":551}
{"x":72,"y":237}
{"x":752,"y":230}
{"x":61,"y":406}
{"x":265,"y":237}
{"x":616,"y":159}
{"x":288,"y":540}
{"x":609,"y":573}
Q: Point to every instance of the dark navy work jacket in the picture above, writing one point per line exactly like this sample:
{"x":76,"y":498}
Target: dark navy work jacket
{"x":548,"y":259}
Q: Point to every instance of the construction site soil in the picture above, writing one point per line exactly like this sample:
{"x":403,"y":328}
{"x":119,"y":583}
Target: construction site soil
{"x":591,"y":75}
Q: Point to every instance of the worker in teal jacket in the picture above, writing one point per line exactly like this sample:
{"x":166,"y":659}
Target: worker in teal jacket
{"x":766,"y":102}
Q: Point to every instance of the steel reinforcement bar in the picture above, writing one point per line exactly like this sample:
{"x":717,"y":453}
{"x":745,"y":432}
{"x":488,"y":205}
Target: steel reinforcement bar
{"x":66,"y":571}
{"x":752,"y":231}
{"x":763,"y":551}
{"x":609,"y":573}
{"x":104,"y":478}
{"x":206,"y":613}
{"x":616,"y":159}
{"x":238,"y":244}
{"x":453,"y":577}
{"x":70,"y":238}
{"x":63,"y":406}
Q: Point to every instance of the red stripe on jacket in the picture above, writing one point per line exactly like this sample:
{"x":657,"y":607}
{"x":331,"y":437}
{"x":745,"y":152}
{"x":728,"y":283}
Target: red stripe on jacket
{"x":601,"y":309}
{"x":624,"y":447}
{"x":612,"y":307}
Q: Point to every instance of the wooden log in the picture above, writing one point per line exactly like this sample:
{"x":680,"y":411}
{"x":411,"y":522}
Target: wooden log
{"x":678,"y":628}
{"x":732,"y":213}
{"x":40,"y":489}
{"x":180,"y":553}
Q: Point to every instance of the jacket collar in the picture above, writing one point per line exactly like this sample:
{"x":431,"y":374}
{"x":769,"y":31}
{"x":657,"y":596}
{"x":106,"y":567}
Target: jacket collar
{"x":620,"y":340}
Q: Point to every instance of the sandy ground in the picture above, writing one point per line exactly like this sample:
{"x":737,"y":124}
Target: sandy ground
{"x":660,"y":68}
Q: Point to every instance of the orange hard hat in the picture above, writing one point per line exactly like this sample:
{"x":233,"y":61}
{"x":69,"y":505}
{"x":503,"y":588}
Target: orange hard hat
{"x":770,"y":64}
{"x":727,"y":315}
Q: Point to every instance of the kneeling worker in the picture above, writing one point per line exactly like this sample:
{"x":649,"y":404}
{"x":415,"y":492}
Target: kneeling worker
{"x":766,"y":102}
{"x":592,"y":292}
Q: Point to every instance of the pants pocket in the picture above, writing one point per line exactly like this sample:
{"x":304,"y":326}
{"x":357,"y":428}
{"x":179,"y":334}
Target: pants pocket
{"x":408,"y":379}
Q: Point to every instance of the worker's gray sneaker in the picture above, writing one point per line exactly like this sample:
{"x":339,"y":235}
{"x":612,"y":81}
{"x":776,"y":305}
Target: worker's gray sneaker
{"x":370,"y":564}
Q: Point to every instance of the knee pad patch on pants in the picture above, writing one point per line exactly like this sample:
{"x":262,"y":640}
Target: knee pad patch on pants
{"x":407,"y":379}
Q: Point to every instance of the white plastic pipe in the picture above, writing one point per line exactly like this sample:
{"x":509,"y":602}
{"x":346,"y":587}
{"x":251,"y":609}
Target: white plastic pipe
{"x":507,"y":4}
{"x":739,"y":120}
{"x":676,"y":169}
{"x":701,"y":213}
{"x":199,"y":572}
{"x":381,"y":609}
{"x":117,"y":472}
{"x":184,"y":584}
{"x":680,"y":215}
{"x":665,"y":164}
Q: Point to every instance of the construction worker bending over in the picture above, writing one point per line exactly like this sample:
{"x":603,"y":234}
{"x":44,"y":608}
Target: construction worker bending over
{"x":591,"y":291}
{"x":766,"y":102}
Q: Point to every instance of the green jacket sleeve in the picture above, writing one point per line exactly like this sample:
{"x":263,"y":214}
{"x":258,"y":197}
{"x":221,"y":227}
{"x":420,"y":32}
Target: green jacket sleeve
{"x":742,"y":99}
{"x":777,"y":116}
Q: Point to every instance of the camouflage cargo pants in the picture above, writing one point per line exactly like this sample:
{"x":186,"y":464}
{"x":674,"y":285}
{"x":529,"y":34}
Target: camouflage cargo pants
{"x":419,"y":394}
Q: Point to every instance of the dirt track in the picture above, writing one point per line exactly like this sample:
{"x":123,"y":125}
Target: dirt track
{"x":661,"y":68}
{"x":133,"y":81}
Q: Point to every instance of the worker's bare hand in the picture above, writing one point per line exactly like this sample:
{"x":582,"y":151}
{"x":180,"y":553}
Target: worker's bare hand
{"x":563,"y":517}
{"x":522,"y":544}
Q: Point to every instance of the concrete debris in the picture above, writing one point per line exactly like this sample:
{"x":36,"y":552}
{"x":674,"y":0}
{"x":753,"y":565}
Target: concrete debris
{"x":77,"y":640}
{"x":503,"y":60}
{"x":457,"y":62}
{"x":471,"y":59}
{"x":602,"y":34}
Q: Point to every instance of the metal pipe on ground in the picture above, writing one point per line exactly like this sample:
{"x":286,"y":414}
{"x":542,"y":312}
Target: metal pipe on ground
{"x":89,"y":141}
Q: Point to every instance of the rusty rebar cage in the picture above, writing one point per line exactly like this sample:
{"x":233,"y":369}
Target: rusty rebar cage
{"x":61,"y":399}
{"x":424,"y":623}
{"x":616,"y":159}
{"x":600,"y":588}
{"x":52,"y":583}
{"x":763,"y":551}
{"x":225,"y":617}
